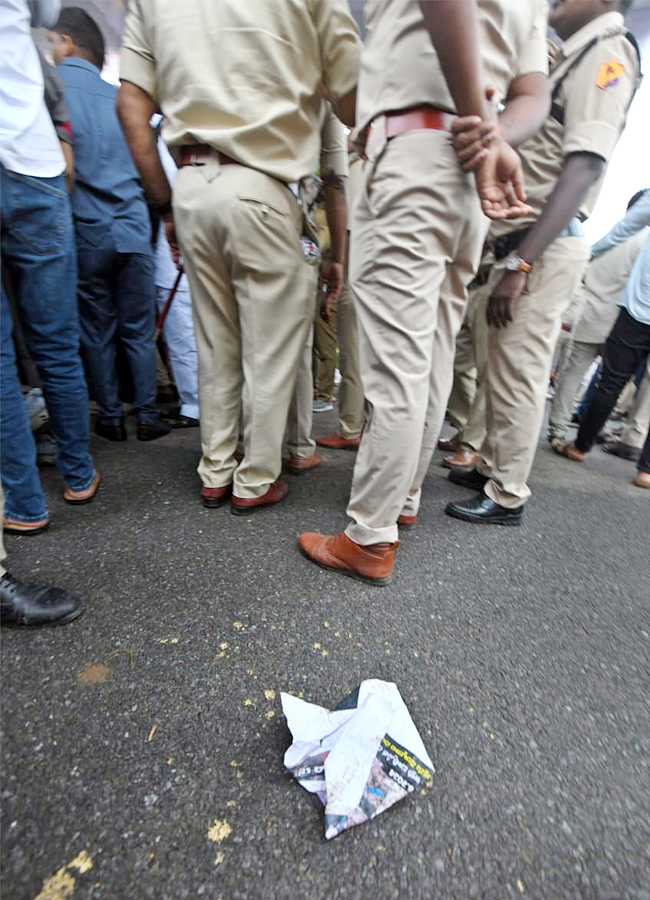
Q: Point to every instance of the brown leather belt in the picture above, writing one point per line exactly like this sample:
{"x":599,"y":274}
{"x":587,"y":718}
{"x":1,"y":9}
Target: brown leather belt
{"x":418,"y":118}
{"x":198,"y":155}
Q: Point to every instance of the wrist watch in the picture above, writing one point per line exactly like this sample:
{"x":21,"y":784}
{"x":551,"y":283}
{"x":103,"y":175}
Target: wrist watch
{"x":516,"y":263}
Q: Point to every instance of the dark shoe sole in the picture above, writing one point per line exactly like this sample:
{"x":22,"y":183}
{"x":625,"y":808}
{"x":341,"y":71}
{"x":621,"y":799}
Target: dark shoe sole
{"x":377,"y":582}
{"x":8,"y":529}
{"x":64,"y":620}
{"x":481,"y":520}
{"x":214,"y":503}
{"x":86,"y":500}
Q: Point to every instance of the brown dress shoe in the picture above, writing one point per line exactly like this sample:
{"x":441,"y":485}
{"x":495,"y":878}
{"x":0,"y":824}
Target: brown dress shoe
{"x":337,"y":442}
{"x":244,"y":506}
{"x":407,"y":522}
{"x":78,"y":498}
{"x":464,"y":458}
{"x":15,"y":526}
{"x":213,"y":498}
{"x":373,"y":563}
{"x":642,"y":479}
{"x":450,"y":444}
{"x":298,"y":465}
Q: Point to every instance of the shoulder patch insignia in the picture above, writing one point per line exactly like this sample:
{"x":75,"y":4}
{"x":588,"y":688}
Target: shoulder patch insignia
{"x":609,"y":74}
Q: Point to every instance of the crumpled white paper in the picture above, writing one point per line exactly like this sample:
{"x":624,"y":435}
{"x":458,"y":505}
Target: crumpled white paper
{"x":359,"y":758}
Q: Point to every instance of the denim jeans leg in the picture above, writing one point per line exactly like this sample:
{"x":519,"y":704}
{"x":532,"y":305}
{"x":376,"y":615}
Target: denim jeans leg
{"x":24,"y":500}
{"x":97,"y":261}
{"x":37,"y":241}
{"x":136,"y":302}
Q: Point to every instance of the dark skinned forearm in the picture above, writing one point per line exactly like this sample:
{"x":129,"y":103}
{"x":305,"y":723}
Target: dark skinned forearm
{"x":135,"y":109}
{"x":453,"y":28}
{"x":526,"y":107}
{"x":580,"y":173}
{"x":336,"y":212}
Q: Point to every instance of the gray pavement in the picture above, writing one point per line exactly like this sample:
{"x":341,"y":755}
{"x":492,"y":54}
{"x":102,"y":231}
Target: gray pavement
{"x":142,"y":744}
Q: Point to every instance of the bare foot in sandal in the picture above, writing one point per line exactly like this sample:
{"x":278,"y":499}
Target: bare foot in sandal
{"x":570,"y":451}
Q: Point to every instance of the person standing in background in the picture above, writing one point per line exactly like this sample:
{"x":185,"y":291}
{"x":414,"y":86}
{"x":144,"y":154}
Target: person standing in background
{"x":116,"y":287}
{"x":38,"y":256}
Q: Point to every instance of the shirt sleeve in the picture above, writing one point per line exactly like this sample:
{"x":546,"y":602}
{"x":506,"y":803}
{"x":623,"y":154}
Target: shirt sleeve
{"x":636,"y":218}
{"x":598,"y":94}
{"x":44,"y":13}
{"x":340,"y":45}
{"x":534,"y":53}
{"x":333,"y":152}
{"x":137,"y":63}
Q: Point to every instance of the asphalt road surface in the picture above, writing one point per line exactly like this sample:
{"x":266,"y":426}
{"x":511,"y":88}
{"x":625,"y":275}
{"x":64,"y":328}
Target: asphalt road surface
{"x":143,"y":743}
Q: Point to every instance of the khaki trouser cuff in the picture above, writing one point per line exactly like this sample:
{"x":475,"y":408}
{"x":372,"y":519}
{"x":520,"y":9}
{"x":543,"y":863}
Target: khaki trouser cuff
{"x":364,"y":536}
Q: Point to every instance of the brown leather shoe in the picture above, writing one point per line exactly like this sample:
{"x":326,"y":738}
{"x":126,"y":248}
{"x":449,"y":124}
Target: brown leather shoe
{"x":642,"y":479}
{"x":464,"y":458}
{"x":298,"y":465}
{"x":15,"y":526}
{"x":244,"y":506}
{"x":373,"y":563}
{"x":337,"y":442}
{"x":450,"y":444}
{"x":407,"y":522}
{"x":213,"y":498}
{"x":78,"y":498}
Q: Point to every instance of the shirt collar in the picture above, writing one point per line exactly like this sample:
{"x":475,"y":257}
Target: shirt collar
{"x":610,"y":21}
{"x":80,"y":63}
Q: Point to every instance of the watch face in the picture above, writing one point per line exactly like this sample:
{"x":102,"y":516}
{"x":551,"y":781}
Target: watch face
{"x":512,"y":264}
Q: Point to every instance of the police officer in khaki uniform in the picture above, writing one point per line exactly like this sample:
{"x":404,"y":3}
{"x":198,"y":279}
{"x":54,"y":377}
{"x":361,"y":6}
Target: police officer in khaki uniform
{"x":333,"y":172}
{"x":241,"y":86}
{"x":416,"y":239}
{"x":543,"y":257}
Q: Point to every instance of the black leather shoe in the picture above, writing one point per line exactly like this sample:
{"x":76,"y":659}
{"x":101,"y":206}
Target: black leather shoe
{"x":485,"y":511}
{"x":469,"y":478}
{"x":153,"y":431}
{"x":625,"y":451}
{"x":111,"y":432}
{"x":27,"y":604}
{"x":176,"y":420}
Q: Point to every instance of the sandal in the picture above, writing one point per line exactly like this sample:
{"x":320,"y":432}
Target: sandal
{"x":569,"y":450}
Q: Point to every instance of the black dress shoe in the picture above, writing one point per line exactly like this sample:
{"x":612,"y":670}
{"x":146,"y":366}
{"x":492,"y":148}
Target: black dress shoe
{"x":176,"y":420}
{"x":625,"y":451}
{"x":469,"y":478}
{"x":27,"y":604}
{"x":483,"y":510}
{"x":153,"y":431}
{"x":111,"y":432}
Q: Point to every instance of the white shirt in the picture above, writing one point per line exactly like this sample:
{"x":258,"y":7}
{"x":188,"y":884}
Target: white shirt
{"x":28,"y":141}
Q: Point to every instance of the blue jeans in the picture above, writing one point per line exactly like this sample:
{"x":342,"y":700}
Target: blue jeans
{"x":38,"y":253}
{"x":116,"y":297}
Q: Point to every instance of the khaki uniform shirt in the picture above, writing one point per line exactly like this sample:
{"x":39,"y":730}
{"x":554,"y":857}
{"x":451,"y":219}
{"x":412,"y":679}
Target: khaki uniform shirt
{"x":400,"y":68}
{"x":595,"y":96}
{"x":604,"y":282}
{"x":244,"y":76}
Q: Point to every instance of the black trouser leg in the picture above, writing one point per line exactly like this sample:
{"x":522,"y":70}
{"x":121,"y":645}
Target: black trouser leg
{"x":624,"y":349}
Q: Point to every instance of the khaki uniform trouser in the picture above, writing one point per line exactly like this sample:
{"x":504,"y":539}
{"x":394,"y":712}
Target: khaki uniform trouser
{"x":463,"y":389}
{"x":637,"y":421}
{"x":350,"y":399}
{"x":519,"y":362}
{"x":579,"y":357}
{"x":472,"y":434}
{"x":416,"y":240}
{"x":301,"y":410}
{"x":324,"y":354}
{"x":252,"y":295}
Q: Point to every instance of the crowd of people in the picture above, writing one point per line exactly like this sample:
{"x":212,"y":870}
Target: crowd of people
{"x":437,"y":249}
